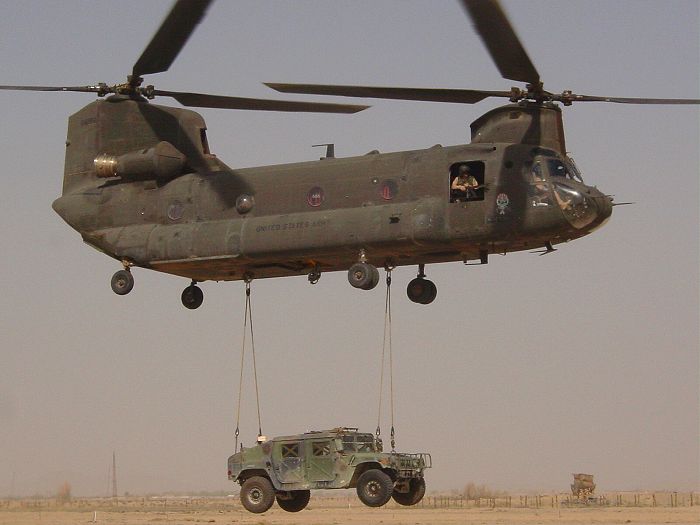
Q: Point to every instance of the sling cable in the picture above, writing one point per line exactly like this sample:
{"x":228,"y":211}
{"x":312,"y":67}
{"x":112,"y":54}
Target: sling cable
{"x":386,"y":344}
{"x":247,"y":322}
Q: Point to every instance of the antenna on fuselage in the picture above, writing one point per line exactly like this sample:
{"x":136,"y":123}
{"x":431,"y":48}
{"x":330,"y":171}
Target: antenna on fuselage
{"x":330,"y":150}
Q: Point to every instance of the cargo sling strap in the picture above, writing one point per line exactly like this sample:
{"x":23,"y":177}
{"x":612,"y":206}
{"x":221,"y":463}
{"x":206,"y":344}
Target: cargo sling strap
{"x":387,"y":343}
{"x":247,"y":320}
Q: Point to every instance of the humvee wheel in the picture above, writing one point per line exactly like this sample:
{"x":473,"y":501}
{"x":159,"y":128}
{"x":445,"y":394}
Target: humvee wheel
{"x":294,"y":500}
{"x":374,"y":488}
{"x":363,"y":275}
{"x":416,"y":491}
{"x":257,"y":494}
{"x":192,"y":297}
{"x":122,"y":282}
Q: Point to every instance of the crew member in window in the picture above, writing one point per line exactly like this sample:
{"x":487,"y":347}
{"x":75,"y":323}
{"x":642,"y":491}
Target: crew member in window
{"x":465,"y":184}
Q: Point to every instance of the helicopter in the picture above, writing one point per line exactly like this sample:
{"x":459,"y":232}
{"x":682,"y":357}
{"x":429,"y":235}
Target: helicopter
{"x":141,"y":185}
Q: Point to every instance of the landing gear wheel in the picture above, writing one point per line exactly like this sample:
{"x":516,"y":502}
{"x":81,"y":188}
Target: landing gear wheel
{"x":192,"y":297}
{"x":422,"y":291}
{"x":363,"y":275}
{"x":294,"y":500}
{"x":122,"y":282}
{"x":374,"y":488}
{"x":416,"y":491}
{"x":257,"y":494}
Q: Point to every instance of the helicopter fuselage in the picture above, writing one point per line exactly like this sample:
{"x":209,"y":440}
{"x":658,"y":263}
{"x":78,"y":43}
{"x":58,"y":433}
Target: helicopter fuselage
{"x":394,"y":209}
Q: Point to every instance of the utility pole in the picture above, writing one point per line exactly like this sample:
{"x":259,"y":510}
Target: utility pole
{"x":114,"y":475}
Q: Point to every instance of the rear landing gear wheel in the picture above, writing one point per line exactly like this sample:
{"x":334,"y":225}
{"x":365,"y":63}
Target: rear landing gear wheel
{"x":421,"y":291}
{"x":122,"y":282}
{"x":192,"y":297}
{"x":363,"y":275}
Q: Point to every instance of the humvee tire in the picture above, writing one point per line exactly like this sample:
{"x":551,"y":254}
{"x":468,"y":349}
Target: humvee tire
{"x":415,"y":493}
{"x":257,"y":494}
{"x":374,"y":488}
{"x":294,"y":500}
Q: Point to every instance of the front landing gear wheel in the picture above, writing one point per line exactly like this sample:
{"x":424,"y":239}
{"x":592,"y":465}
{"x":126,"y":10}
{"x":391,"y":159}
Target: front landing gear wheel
{"x":257,"y":494}
{"x":192,"y":297}
{"x":374,"y":488}
{"x":363,"y":275}
{"x":421,"y":291}
{"x":122,"y":282}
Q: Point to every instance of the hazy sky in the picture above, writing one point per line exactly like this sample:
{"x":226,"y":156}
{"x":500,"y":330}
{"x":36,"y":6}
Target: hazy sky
{"x":582,"y":361}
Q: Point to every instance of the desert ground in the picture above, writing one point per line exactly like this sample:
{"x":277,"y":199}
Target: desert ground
{"x":330,"y":511}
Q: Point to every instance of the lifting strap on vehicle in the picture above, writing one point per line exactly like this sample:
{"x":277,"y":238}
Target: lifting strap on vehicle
{"x":387,"y":342}
{"x":247,"y":318}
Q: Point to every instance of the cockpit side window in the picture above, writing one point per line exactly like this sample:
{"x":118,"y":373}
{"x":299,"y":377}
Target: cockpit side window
{"x":539,"y":191}
{"x":467,"y":181}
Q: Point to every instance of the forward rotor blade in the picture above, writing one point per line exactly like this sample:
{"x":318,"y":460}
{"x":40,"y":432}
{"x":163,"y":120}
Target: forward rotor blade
{"x":634,"y":100}
{"x":170,"y":37}
{"x":460,"y":96}
{"x":80,"y":89}
{"x":201,"y":100}
{"x":501,"y":40}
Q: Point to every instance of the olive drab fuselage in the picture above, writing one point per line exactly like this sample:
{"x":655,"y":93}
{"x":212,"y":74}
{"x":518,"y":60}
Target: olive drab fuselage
{"x":141,"y":186}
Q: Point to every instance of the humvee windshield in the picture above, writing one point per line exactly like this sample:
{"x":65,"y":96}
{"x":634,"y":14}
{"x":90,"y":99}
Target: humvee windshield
{"x":360,"y":443}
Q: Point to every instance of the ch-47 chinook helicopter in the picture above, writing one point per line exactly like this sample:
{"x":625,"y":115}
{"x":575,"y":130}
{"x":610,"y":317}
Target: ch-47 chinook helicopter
{"x":141,"y":185}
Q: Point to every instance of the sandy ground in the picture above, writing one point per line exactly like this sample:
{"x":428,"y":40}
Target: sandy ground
{"x":354,"y":515}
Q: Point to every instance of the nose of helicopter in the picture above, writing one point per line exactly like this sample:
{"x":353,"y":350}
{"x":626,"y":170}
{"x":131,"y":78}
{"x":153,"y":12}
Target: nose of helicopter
{"x":604,"y":206}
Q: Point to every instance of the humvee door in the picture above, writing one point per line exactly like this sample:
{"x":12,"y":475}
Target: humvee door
{"x":287,"y":461}
{"x":319,"y":460}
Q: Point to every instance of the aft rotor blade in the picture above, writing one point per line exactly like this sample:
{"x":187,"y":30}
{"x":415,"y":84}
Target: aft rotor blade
{"x":201,"y":100}
{"x":502,"y":42}
{"x":79,"y":89}
{"x":171,"y":37}
{"x":633,"y":100}
{"x":460,"y":96}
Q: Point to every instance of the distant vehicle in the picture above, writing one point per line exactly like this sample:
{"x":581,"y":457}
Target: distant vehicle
{"x":287,"y":468}
{"x":583,"y":486}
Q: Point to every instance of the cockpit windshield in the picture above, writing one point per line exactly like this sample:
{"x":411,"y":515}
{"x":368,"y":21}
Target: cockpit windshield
{"x":563,"y":170}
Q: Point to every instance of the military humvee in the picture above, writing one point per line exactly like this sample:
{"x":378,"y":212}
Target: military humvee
{"x":287,"y":468}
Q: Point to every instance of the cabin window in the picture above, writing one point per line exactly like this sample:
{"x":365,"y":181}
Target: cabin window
{"x":467,"y":181}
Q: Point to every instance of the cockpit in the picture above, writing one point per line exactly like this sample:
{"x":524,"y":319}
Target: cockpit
{"x":556,"y":181}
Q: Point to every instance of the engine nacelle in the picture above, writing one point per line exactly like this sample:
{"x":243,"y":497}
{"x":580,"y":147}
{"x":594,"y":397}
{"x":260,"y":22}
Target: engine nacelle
{"x":163,"y":161}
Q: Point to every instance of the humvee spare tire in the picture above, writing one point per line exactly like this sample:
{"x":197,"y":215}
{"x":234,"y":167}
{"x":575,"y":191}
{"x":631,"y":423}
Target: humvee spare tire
{"x":257,"y":494}
{"x":374,"y":488}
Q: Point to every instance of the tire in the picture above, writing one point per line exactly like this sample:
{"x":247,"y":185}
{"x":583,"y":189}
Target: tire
{"x":421,"y":291}
{"x":363,"y":276}
{"x":294,"y":500}
{"x":192,"y":297}
{"x":431,"y":294}
{"x":122,"y":282}
{"x":257,"y":494}
{"x":416,"y":491}
{"x":374,"y":488}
